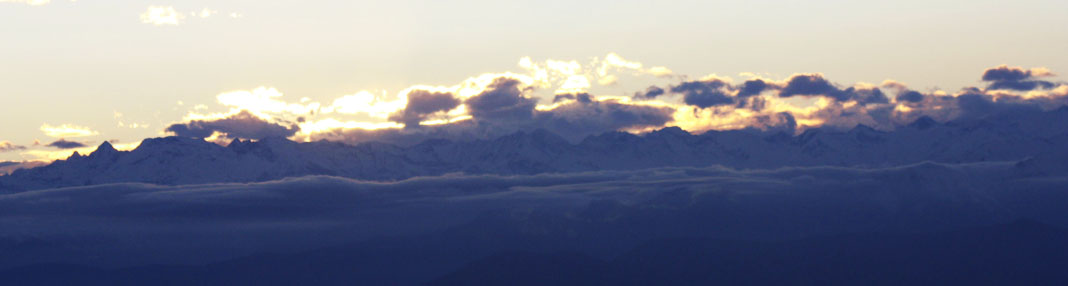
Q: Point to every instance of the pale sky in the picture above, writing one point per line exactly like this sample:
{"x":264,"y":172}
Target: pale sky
{"x":125,"y":70}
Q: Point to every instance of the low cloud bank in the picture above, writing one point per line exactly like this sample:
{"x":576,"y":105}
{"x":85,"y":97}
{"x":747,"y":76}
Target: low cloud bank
{"x":185,"y":224}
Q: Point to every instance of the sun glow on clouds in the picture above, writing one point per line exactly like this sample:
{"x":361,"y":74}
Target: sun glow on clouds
{"x":162,"y":15}
{"x":574,"y":77}
{"x":811,"y":102}
{"x":204,"y":13}
{"x":263,"y":101}
{"x":67,"y":130}
{"x":371,"y":110}
{"x":168,"y":15}
{"x":365,"y":102}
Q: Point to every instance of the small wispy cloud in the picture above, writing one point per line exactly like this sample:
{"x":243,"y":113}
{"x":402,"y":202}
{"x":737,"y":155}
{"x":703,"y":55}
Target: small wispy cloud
{"x":66,"y":144}
{"x":204,"y":13}
{"x":162,"y":15}
{"x":27,"y":2}
{"x":67,"y":130}
{"x":168,"y":15}
{"x":8,"y":146}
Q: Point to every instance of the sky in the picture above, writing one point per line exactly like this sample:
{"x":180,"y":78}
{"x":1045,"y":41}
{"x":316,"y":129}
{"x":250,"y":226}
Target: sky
{"x":78,"y":73}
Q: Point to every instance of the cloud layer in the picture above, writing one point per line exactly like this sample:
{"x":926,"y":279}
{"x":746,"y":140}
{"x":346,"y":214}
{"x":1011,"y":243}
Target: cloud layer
{"x":182,"y":224}
{"x":556,"y":95}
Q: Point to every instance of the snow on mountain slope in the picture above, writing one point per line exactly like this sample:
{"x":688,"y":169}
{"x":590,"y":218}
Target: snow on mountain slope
{"x":1038,"y":137}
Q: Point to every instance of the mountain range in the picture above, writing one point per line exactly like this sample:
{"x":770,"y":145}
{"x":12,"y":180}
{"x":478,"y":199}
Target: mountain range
{"x":1015,"y":136}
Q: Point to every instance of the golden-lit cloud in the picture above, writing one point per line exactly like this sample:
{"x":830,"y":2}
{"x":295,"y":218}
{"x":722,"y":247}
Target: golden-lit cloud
{"x":124,"y":124}
{"x":263,"y":101}
{"x":162,"y":15}
{"x":204,"y":13}
{"x":575,"y":77}
{"x":613,"y":63}
{"x":67,"y":130}
{"x":309,"y":128}
{"x":364,"y":102}
{"x":559,"y":92}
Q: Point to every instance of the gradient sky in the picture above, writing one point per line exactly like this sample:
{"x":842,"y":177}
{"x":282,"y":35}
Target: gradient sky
{"x":104,"y":66}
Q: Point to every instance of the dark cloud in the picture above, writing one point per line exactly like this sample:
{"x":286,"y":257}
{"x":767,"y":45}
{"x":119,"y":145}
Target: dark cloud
{"x":649,"y":93}
{"x":753,"y":87}
{"x":1015,"y":78}
{"x":910,"y":96}
{"x":816,"y":85}
{"x":241,"y":125}
{"x":1025,"y":85}
{"x":782,"y":122}
{"x":1006,"y":73}
{"x":64,"y":144}
{"x":581,"y":97}
{"x":704,"y":93}
{"x":974,"y":104}
{"x":579,"y":119}
{"x":422,"y":104}
{"x":502,"y":100}
{"x":866,"y":95}
{"x":811,"y":85}
{"x":6,"y":146}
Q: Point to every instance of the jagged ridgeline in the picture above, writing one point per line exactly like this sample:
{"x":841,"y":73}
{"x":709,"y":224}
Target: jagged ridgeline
{"x":1026,"y":137}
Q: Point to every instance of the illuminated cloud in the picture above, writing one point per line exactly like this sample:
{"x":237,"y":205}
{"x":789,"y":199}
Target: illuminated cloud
{"x":615,"y":63}
{"x":6,"y":146}
{"x":242,"y":125}
{"x":119,"y":118}
{"x":263,"y":102}
{"x":64,"y":144}
{"x":162,"y":15}
{"x":574,"y":77}
{"x":67,"y":130}
{"x":204,"y":13}
{"x":365,"y":103}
